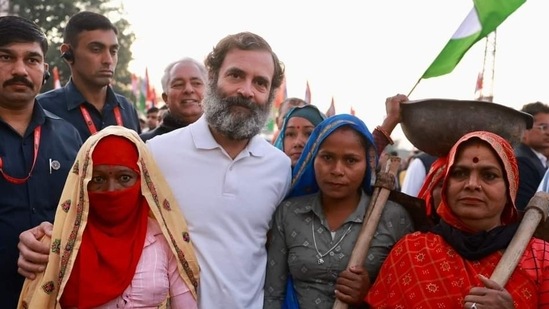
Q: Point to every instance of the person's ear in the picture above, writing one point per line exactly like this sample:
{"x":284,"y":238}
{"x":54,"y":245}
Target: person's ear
{"x":46,"y":75}
{"x":67,"y":53}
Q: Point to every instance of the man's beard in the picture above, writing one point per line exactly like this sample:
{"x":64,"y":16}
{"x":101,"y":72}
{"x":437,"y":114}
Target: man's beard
{"x":236,"y":125}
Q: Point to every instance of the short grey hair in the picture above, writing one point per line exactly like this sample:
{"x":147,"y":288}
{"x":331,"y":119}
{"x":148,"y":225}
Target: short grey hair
{"x":166,"y":77}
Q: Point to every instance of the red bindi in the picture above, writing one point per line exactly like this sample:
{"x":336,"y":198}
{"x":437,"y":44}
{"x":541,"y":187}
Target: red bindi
{"x":475,"y":160}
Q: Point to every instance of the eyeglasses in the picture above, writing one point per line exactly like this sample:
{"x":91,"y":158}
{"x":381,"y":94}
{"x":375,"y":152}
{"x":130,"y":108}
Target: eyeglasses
{"x":542,"y":127}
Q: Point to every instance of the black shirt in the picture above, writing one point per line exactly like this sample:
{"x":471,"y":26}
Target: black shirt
{"x":23,"y":206}
{"x":65,"y":102}
{"x":169,"y":123}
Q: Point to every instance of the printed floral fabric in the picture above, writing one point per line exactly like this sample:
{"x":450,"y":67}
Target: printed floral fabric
{"x":71,"y":217}
{"x":423,"y":271}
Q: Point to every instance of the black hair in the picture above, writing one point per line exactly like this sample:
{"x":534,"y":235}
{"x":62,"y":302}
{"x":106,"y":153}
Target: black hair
{"x":16,"y":29}
{"x":243,"y":41}
{"x":85,"y":21}
{"x":153,"y":109}
{"x":535,"y":108}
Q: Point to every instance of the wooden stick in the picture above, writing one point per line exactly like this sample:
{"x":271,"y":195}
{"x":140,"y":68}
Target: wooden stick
{"x":384,"y":184}
{"x":536,"y":211}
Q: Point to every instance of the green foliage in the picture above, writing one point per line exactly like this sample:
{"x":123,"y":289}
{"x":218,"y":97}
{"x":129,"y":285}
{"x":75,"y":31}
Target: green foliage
{"x":52,"y":16}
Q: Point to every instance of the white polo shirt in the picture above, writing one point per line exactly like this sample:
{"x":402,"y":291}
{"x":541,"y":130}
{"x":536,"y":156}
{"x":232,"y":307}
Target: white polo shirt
{"x":228,"y":205}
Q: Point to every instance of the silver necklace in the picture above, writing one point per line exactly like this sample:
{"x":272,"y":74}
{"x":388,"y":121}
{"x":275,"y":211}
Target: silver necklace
{"x":319,"y":255}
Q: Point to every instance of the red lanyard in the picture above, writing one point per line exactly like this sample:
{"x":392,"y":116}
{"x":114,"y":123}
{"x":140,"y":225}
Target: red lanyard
{"x":18,"y":181}
{"x":89,"y":121}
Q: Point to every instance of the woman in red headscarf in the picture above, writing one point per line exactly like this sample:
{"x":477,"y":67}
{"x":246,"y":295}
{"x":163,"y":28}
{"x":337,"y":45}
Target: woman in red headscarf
{"x":449,"y":267}
{"x":119,"y":240}
{"x":432,"y":186}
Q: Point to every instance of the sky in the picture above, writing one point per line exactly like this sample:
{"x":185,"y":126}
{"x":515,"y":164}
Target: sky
{"x":358,"y":52}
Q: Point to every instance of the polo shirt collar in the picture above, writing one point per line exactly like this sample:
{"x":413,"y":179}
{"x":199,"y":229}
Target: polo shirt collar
{"x":74,"y":98}
{"x":203,"y":139}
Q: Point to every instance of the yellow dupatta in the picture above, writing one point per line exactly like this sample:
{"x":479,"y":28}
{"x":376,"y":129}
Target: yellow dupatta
{"x":71,"y":218}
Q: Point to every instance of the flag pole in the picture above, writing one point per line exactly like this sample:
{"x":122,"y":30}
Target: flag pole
{"x":413,"y":88}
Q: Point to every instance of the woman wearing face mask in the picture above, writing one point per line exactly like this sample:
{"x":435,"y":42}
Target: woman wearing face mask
{"x":119,"y":240}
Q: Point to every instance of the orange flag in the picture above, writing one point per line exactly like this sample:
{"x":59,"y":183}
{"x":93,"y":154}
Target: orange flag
{"x":56,"y":81}
{"x":308,"y":94}
{"x":150,"y":94}
{"x":332,"y":110}
{"x":135,"y":86}
{"x":479,"y":85}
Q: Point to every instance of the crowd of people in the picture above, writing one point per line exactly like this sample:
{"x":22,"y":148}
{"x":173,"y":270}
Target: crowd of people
{"x":196,"y":209}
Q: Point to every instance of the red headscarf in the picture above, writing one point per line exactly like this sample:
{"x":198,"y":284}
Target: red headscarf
{"x":114,"y":236}
{"x":433,"y":178}
{"x":506,"y":156}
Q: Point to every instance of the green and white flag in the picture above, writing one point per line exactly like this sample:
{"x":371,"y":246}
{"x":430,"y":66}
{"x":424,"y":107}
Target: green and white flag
{"x":483,"y":19}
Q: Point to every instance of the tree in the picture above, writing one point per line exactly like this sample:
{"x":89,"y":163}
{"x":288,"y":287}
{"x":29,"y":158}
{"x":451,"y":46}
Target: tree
{"x":53,"y":15}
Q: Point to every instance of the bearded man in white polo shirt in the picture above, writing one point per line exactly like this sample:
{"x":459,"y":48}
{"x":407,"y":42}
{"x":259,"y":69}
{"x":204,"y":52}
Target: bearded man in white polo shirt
{"x":226,"y":178}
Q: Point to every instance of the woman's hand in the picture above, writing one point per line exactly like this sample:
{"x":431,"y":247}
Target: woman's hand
{"x":352,"y":285}
{"x":392,"y":107}
{"x":492,"y":295}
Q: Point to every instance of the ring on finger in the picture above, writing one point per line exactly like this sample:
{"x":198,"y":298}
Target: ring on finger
{"x":474,"y":306}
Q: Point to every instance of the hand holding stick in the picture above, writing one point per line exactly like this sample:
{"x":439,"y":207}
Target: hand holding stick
{"x":384,"y":184}
{"x":537,"y":209}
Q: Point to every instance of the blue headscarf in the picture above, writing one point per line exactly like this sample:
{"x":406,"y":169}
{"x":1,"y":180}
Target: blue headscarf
{"x":304,"y":181}
{"x":309,"y":112}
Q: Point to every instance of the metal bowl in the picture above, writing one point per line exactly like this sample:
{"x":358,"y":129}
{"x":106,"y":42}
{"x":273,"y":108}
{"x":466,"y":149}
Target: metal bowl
{"x":435,"y":125}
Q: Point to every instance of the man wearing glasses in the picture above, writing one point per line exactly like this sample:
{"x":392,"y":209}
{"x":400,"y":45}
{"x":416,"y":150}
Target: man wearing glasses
{"x":532,"y":153}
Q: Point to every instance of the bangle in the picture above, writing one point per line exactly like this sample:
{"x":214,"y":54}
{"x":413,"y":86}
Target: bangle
{"x":387,"y":136}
